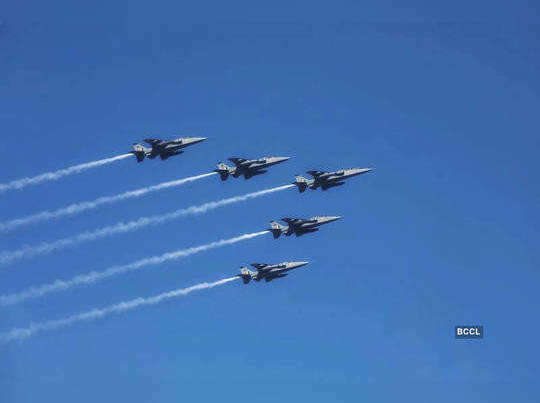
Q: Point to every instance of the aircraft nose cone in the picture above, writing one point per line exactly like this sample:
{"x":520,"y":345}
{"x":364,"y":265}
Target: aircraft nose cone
{"x":358,"y":171}
{"x":300,"y":264}
{"x":333,"y":218}
{"x":198,"y":139}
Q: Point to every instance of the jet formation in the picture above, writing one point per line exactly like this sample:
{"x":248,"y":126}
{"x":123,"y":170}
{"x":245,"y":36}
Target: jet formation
{"x":163,"y":148}
{"x":268,"y":272}
{"x":300,"y":226}
{"x":326,"y":180}
{"x":246,"y":167}
{"x":252,"y":167}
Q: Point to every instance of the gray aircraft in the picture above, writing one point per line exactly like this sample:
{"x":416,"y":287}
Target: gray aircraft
{"x":246,"y":167}
{"x":268,"y":272}
{"x":327,"y":180}
{"x":300,"y":226}
{"x":163,"y":148}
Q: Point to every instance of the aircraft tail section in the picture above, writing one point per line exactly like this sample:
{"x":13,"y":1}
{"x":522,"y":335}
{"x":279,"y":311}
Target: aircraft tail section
{"x":139,"y":152}
{"x":301,"y":183}
{"x":224,"y":171}
{"x":246,"y":275}
{"x":276,"y":229}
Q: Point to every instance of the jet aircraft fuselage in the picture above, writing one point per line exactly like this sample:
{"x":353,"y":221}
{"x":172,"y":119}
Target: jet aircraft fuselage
{"x":246,"y":167}
{"x":163,"y":148}
{"x":300,"y":226}
{"x":327,"y":180}
{"x":268,"y":272}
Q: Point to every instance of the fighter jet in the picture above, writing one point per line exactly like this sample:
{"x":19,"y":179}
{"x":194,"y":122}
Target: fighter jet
{"x":163,"y":148}
{"x":246,"y":167}
{"x":268,"y":271}
{"x":327,"y":180}
{"x":300,"y":226}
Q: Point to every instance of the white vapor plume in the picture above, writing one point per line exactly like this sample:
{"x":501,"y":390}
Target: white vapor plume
{"x":88,"y":205}
{"x":24,"y":333}
{"x":51,"y":176}
{"x":94,"y":276}
{"x":122,"y":227}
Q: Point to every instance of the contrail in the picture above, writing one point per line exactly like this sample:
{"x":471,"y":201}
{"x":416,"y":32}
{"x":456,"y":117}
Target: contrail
{"x":122,"y":227}
{"x":88,"y":205}
{"x":94,"y":276}
{"x":24,"y":333}
{"x":51,"y":176}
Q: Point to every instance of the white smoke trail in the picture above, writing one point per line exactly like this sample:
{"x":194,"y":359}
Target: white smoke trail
{"x":94,"y":276}
{"x":24,"y":333}
{"x":88,"y":205}
{"x":51,"y":176}
{"x":121,"y":227}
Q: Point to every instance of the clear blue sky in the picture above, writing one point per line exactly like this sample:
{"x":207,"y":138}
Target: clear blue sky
{"x":442,"y":99}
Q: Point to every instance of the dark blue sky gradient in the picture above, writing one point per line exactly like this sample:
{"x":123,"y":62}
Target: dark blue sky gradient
{"x":442,"y":99}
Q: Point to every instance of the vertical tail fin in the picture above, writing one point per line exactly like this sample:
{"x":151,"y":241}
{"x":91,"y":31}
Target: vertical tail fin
{"x":301,"y":183}
{"x":276,"y":229}
{"x":224,"y":170}
{"x":246,"y":275}
{"x":139,"y":152}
